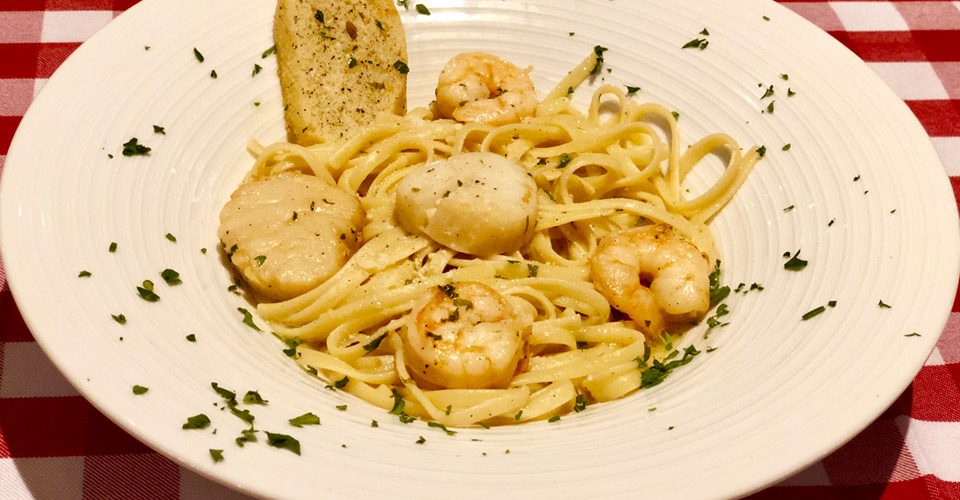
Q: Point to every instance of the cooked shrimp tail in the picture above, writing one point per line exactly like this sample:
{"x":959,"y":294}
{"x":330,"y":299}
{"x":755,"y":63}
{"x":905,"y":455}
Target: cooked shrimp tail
{"x":465,"y":336}
{"x":480,"y":87}
{"x":654,"y":275}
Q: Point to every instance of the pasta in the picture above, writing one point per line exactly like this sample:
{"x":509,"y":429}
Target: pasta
{"x":595,"y":174}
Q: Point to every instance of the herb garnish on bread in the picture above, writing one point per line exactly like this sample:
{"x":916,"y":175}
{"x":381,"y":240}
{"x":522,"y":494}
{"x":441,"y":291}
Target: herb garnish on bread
{"x":341,"y":63}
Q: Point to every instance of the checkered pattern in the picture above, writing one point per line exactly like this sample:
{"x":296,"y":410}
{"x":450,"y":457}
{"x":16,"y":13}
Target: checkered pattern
{"x":53,"y":444}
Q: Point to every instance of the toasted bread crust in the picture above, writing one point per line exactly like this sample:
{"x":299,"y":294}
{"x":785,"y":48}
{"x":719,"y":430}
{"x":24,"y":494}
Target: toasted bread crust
{"x":337,"y":62}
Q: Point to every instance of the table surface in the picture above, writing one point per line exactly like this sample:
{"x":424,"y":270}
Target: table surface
{"x":53,"y":444}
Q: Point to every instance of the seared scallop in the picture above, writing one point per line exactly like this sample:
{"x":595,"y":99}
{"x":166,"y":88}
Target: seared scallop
{"x":289,"y":233}
{"x":476,"y":203}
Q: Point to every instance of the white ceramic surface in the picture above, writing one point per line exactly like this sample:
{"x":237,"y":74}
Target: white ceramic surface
{"x":776,"y":395}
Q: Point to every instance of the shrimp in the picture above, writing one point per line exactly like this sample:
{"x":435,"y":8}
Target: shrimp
{"x":466,"y":336}
{"x":480,"y":87}
{"x":652,"y":274}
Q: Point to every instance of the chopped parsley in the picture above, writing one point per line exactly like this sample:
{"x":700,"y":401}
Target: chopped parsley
{"x":119,"y":318}
{"x":283,"y":441}
{"x":199,"y":421}
{"x":139,"y":389}
{"x":213,"y":74}
{"x":191,"y":338}
{"x":769,"y":92}
{"x":658,"y":371}
{"x":813,"y":312}
{"x":795,"y":263}
{"x":676,"y":116}
{"x":421,"y":440}
{"x":342,"y":407}
{"x":216,"y":455}
{"x":532,"y":270}
{"x":762,"y":150}
{"x":790,"y":92}
{"x":770,"y":107}
{"x":442,"y":428}
{"x":197,"y":54}
{"x":157,"y":129}
{"x":352,"y":62}
{"x":580,"y":403}
{"x":256,"y":69}
{"x":84,"y":274}
{"x":340,"y":384}
{"x":171,"y":277}
{"x":518,"y":415}
{"x":422,"y":9}
{"x":253,"y":398}
{"x":914,"y":334}
{"x":598,"y":50}
{"x":267,"y":53}
{"x":565,"y":160}
{"x":379,"y":25}
{"x":555,"y":418}
{"x":786,"y":147}
{"x":632,"y":90}
{"x":260,"y":259}
{"x":171,"y":237}
{"x":305,"y":419}
{"x":398,"y":403}
{"x":882,"y":305}
{"x":717,"y":292}
{"x":292,"y":344}
{"x":246,"y":436}
{"x":374,"y":344}
{"x":398,"y":406}
{"x":113,"y":247}
{"x":374,"y":423}
{"x":318,"y":15}
{"x":248,"y":319}
{"x":714,"y":321}
{"x":401,"y":67}
{"x":230,"y":398}
{"x":696,"y":43}
{"x":134,"y":148}
{"x":146,"y":292}
{"x":226,"y":394}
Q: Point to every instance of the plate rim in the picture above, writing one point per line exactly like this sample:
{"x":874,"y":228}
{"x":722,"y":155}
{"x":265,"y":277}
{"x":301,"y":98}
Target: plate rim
{"x":14,"y":277}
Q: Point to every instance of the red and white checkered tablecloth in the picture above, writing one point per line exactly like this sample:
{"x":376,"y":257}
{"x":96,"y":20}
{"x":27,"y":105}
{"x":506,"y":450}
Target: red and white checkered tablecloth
{"x":53,"y":444}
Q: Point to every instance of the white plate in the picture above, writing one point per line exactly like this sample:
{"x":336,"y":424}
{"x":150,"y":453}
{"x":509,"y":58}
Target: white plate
{"x":778,"y":394}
